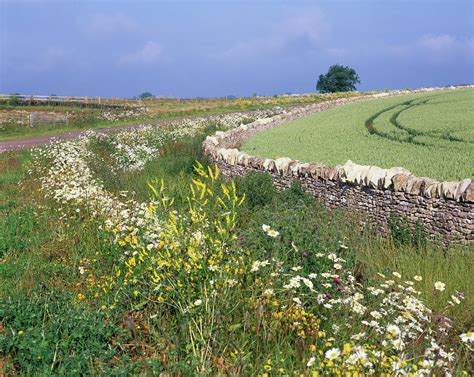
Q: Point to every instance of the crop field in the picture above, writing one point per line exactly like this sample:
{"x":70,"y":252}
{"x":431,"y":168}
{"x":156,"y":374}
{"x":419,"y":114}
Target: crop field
{"x":430,"y":134}
{"x":128,"y":254}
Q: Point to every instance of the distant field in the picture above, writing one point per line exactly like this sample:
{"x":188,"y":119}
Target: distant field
{"x":14,"y":118}
{"x":430,"y":134}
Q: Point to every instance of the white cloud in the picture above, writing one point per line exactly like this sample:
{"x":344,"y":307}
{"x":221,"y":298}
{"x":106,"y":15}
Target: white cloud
{"x":436,"y":48}
{"x":311,"y":24}
{"x":110,"y":23}
{"x":311,"y":27}
{"x":151,"y":52}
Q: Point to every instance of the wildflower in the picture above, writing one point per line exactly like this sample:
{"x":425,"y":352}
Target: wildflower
{"x":197,"y":302}
{"x":455,"y":299}
{"x":417,"y":278}
{"x":393,"y":330}
{"x":310,"y":362}
{"x":308,"y":283}
{"x":332,"y":354}
{"x":266,"y":228}
{"x":396,"y":274}
{"x":439,"y":286}
{"x":82,"y":270}
{"x":273,"y":233}
{"x":376,"y":314}
{"x":337,"y":266}
{"x":255,"y":266}
{"x":332,"y":257}
{"x":21,"y":332}
{"x":319,"y":255}
{"x":467,"y":337}
{"x":398,"y":344}
{"x":81,"y":297}
{"x":268,"y":292}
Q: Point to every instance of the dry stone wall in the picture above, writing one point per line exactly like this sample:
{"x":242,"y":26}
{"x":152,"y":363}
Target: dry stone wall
{"x":445,"y":209}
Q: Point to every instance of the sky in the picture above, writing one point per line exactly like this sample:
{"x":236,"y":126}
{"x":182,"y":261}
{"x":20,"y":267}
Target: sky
{"x":218,"y":48}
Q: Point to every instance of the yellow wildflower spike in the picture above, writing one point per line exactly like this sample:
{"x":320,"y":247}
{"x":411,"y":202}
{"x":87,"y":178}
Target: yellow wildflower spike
{"x":152,"y":188}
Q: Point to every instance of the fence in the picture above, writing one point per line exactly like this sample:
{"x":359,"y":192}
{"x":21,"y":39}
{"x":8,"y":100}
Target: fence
{"x":84,"y":101}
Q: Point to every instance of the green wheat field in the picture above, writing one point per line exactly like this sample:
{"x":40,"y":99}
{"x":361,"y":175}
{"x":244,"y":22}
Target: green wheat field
{"x":430,"y":134}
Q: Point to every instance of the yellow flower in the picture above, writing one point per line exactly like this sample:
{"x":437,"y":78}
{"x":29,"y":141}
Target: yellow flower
{"x":81,"y":297}
{"x":21,"y":332}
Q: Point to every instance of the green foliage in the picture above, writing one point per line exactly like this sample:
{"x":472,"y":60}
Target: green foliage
{"x":257,"y":187}
{"x":430,"y":135}
{"x":338,"y":79}
{"x":50,"y":334}
{"x":145,"y":95}
{"x":16,"y":229}
{"x":13,"y":100}
{"x":403,"y":235}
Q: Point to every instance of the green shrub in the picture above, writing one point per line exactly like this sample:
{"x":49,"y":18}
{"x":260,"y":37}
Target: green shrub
{"x":49,"y":333}
{"x":258,"y":189}
{"x":13,"y":100}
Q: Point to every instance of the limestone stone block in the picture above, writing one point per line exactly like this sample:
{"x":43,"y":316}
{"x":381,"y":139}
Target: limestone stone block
{"x":461,"y":189}
{"x":303,"y":169}
{"x":398,"y":180}
{"x":468,"y":195}
{"x":374,"y":177}
{"x":213,"y":140}
{"x":390,"y":173}
{"x":282,"y":164}
{"x":269,"y":164}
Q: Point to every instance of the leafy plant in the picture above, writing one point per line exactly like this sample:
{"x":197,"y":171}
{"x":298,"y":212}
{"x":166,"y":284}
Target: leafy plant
{"x":49,"y":333}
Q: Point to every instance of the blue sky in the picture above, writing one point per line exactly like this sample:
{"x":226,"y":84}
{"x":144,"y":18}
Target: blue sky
{"x":218,"y":48}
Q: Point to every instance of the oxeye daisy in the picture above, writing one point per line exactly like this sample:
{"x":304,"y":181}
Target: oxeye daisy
{"x":332,"y":354}
{"x":393,"y":330}
{"x":467,"y":337}
{"x":439,"y":286}
{"x":266,"y":227}
{"x":273,"y":233}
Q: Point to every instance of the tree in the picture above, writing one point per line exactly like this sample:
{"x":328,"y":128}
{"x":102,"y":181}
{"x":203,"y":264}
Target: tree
{"x":338,"y":79}
{"x":145,"y":95}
